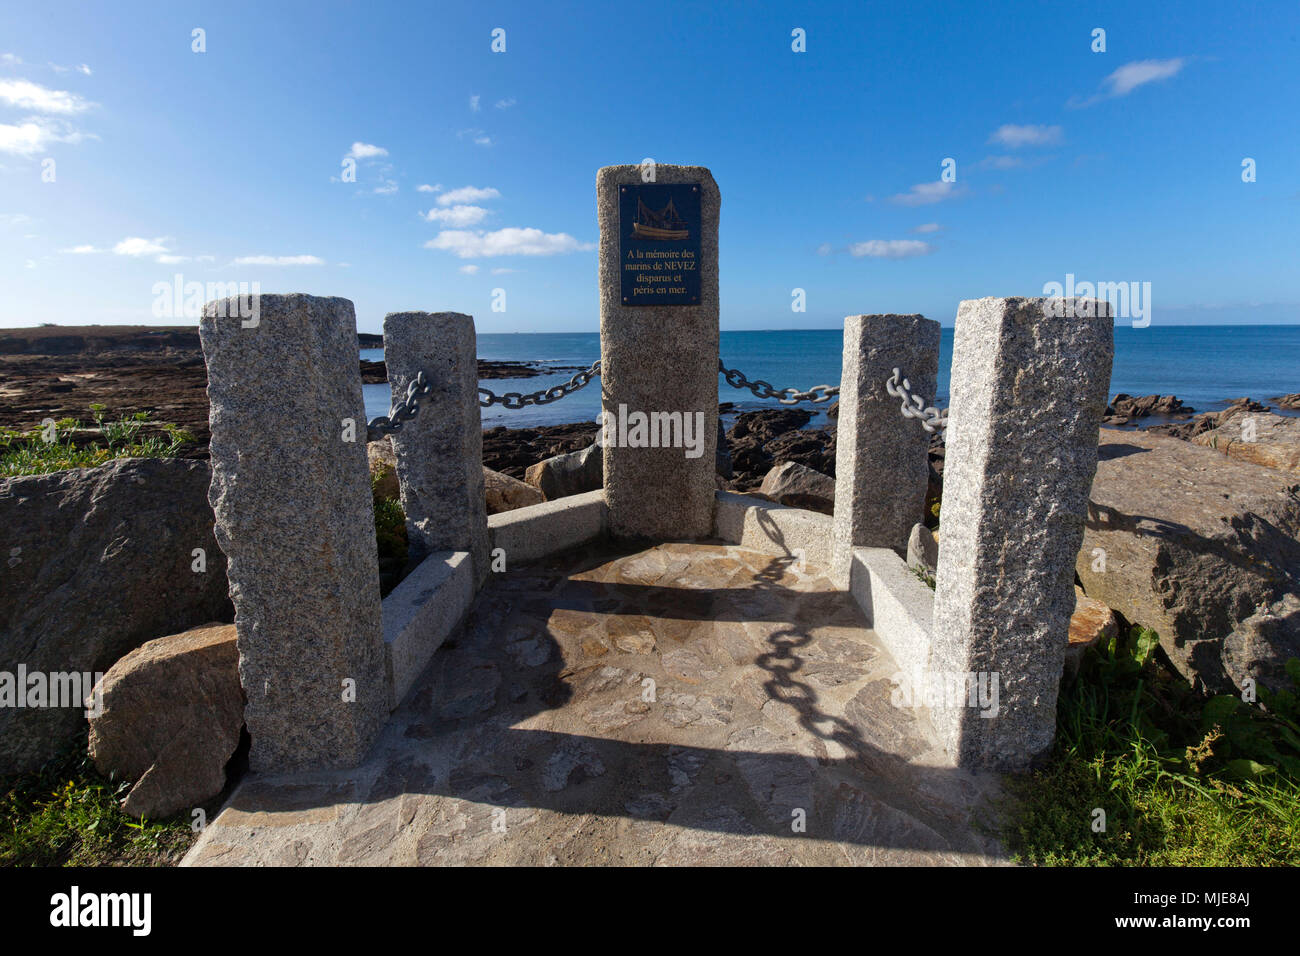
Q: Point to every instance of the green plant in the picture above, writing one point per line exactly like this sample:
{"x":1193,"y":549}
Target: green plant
{"x":55,"y":448}
{"x":1182,"y":779}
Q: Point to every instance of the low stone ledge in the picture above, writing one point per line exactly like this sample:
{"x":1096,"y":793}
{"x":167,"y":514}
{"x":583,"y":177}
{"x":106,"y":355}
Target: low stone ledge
{"x":897,"y":604}
{"x":538,"y":531}
{"x":419,"y":614}
{"x":771,"y":528}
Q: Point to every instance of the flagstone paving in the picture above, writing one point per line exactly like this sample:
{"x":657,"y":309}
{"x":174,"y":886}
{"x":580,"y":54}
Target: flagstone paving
{"x":685,"y":704}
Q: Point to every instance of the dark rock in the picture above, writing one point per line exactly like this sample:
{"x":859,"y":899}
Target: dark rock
{"x":98,"y":561}
{"x":799,"y":486}
{"x":1291,"y":401}
{"x":573,"y":473}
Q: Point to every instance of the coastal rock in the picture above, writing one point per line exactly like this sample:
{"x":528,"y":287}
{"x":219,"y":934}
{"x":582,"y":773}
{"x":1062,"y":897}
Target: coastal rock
{"x":1191,"y":544}
{"x":1128,"y":406}
{"x":760,"y":440}
{"x":1260,"y":438}
{"x":1208,"y":421}
{"x":799,"y":486}
{"x":1291,"y":401}
{"x":97,"y":561}
{"x":1092,"y":623}
{"x":512,"y":451}
{"x":922,"y":548}
{"x":172,"y":713}
{"x":506,"y":494}
{"x":574,"y":473}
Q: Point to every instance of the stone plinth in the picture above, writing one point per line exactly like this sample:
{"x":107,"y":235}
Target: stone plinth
{"x":291,"y":493}
{"x":1028,"y":393}
{"x":659,"y":359}
{"x":440,"y":451}
{"x":881,"y":467}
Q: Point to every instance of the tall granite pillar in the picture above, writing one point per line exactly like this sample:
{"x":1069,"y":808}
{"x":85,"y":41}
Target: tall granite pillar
{"x":291,"y":492}
{"x":1028,"y":392}
{"x":440,"y":451}
{"x":659,"y":246}
{"x":881,"y":457}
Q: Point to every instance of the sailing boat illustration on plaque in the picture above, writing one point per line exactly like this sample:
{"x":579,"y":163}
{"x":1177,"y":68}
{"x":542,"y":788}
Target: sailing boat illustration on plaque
{"x":664,"y":224}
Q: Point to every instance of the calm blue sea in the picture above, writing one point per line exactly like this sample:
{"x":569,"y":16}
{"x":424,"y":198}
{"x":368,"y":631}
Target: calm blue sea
{"x":1205,"y":366}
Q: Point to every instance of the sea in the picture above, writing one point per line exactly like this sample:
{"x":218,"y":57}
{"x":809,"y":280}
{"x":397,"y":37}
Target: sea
{"x":1206,"y":366}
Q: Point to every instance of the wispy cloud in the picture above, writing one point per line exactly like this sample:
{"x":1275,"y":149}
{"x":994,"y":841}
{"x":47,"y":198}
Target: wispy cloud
{"x":467,"y":194}
{"x":469,"y":270}
{"x":36,"y":134}
{"x":1014,"y":137}
{"x":460,"y":215}
{"x":278,"y":261}
{"x":890,"y":248}
{"x":923,"y":194}
{"x":426,"y":188}
{"x":83,"y":250}
{"x":505,"y":104}
{"x":927,"y":227}
{"x":473,"y":103}
{"x":1130,"y":76}
{"x":26,"y":95}
{"x":479,"y":136}
{"x":512,"y":241}
{"x":81,"y":68}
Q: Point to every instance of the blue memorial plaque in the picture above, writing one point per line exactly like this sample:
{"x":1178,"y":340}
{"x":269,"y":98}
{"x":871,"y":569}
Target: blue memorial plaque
{"x":659,"y":243}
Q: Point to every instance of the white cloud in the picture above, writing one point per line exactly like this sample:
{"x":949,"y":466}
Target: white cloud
{"x":473,"y":103}
{"x":478,"y":135}
{"x":467,"y":194}
{"x":505,"y":104}
{"x":172,"y":260}
{"x":365,"y":151}
{"x":11,"y":59}
{"x":890,"y":248}
{"x":14,"y":218}
{"x":426,"y":188}
{"x":386,"y":188}
{"x":1132,"y":75}
{"x":469,"y":270}
{"x":825,"y":249}
{"x":1140,"y":72}
{"x":26,"y":95}
{"x":142,"y":247}
{"x":80,"y":250}
{"x":80,"y":68}
{"x":278,"y":261}
{"x":1013,"y":136}
{"x":35,"y":134}
{"x":927,"y":227}
{"x":512,"y":241}
{"x":458,"y":215}
{"x":923,"y":194}
{"x":503,"y":272}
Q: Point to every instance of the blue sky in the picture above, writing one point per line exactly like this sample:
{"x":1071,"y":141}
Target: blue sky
{"x":227,"y":165}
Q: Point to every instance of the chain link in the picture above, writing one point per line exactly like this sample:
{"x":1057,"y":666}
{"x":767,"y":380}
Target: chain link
{"x":914,"y":406}
{"x":404,"y":410}
{"x":786,"y":396}
{"x":516,"y":400}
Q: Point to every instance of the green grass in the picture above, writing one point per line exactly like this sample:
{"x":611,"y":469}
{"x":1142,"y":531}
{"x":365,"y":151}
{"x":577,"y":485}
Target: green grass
{"x":1183,"y":779}
{"x":56,"y":446}
{"x":66,"y":814}
{"x":390,"y":536}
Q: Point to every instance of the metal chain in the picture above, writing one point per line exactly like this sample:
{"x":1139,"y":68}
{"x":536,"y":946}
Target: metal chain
{"x":786,"y":396}
{"x":404,"y":410}
{"x":543,"y":397}
{"x":931,"y":418}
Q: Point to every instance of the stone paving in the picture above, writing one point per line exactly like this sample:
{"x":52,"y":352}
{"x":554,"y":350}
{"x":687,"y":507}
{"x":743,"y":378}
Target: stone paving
{"x":685,"y":704}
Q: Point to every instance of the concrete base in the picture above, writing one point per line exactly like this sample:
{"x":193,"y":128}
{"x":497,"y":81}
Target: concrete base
{"x":898,"y":606}
{"x":428,"y":605}
{"x":772,"y":528}
{"x":538,"y":531}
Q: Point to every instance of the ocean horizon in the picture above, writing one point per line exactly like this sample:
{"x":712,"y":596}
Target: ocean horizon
{"x":1206,"y":366}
